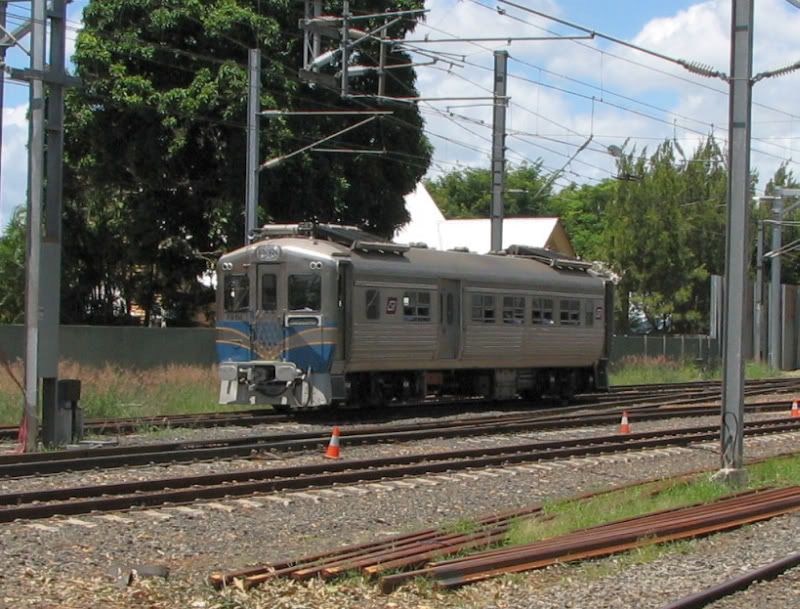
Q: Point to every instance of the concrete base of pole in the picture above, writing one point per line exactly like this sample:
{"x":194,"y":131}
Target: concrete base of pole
{"x":731,"y":477}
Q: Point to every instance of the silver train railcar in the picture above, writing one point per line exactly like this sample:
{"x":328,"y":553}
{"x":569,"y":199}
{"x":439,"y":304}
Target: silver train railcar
{"x":312,"y":315}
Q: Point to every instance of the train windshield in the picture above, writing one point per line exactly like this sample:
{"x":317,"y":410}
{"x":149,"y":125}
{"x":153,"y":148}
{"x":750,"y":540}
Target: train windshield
{"x":305,"y":292}
{"x":237,"y":293}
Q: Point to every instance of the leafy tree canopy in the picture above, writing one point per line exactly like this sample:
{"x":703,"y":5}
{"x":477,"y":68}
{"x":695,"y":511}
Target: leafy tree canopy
{"x":467,"y":193}
{"x":156,"y":145}
{"x":12,"y":269}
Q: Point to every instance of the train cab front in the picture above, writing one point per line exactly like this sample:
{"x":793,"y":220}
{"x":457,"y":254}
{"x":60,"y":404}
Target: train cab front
{"x":272,"y":342}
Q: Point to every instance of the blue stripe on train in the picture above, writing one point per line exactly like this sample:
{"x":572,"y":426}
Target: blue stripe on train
{"x":317,"y":356}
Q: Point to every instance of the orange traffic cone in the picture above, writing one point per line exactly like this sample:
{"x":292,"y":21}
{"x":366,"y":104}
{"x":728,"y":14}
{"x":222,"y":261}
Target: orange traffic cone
{"x":333,"y":445}
{"x":795,"y":409}
{"x":624,"y":426}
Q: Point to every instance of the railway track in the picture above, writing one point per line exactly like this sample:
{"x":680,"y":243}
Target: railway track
{"x":399,"y":559}
{"x":127,"y":495}
{"x":626,"y":395}
{"x":174,"y":452}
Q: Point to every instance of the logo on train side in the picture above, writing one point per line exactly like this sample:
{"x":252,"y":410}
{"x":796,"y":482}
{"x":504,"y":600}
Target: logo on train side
{"x":391,"y":305}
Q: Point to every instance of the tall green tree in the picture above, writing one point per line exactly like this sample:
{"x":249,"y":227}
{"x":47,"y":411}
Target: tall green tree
{"x":12,"y":269}
{"x":666,"y":235}
{"x":156,"y":145}
{"x":467,"y":193}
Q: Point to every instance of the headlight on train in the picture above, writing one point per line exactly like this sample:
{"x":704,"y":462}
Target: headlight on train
{"x":268,"y":253}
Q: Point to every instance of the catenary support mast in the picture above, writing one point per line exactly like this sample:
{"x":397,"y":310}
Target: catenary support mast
{"x":736,"y":256}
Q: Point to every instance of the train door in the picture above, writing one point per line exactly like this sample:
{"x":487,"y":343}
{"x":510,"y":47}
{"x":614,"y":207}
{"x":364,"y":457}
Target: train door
{"x":270,"y":302}
{"x":449,"y":319}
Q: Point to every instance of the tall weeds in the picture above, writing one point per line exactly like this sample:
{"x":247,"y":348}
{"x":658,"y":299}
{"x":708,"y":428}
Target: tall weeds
{"x":112,"y":391}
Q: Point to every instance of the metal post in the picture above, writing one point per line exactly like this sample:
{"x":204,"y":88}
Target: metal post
{"x":758,"y":321}
{"x":2,"y":78}
{"x":345,"y":48}
{"x":34,"y":239}
{"x":731,"y":436}
{"x":775,"y":287}
{"x":50,"y":288}
{"x":498,"y":149}
{"x":253,"y":108}
{"x":382,"y":64}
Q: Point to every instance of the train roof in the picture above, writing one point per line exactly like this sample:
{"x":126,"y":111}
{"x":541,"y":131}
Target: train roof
{"x":375,"y":258}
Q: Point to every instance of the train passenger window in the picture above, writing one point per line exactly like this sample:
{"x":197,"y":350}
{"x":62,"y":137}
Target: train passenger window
{"x":483,"y":308}
{"x":588,"y":313}
{"x":373,"y":304}
{"x":570,"y":312}
{"x":237,"y":293}
{"x":542,"y":311}
{"x":451,"y":309}
{"x":514,"y":310}
{"x":417,"y":306}
{"x":305,"y":292}
{"x":269,"y":292}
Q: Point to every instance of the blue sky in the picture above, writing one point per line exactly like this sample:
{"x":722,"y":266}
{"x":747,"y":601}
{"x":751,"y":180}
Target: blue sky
{"x":562,"y":93}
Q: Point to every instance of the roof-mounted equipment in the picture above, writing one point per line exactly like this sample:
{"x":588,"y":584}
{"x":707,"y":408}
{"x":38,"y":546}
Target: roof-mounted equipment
{"x":550,"y":258}
{"x":379,"y":247}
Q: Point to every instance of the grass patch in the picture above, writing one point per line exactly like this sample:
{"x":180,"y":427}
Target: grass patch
{"x":462,"y":526}
{"x":638,"y":370}
{"x":562,"y":517}
{"x":111,"y":391}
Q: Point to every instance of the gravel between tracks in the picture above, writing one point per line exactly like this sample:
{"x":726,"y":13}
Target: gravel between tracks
{"x":66,"y":563}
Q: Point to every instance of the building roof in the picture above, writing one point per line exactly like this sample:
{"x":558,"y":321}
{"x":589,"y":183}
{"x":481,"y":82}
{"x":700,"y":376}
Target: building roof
{"x":429,"y":226}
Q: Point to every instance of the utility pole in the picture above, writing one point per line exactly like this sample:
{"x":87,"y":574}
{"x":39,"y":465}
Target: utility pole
{"x":732,"y":425}
{"x":50,"y":286}
{"x":775,"y":287}
{"x":3,"y":6}
{"x":498,"y":149}
{"x":758,"y":322}
{"x":253,"y":109}
{"x":345,"y":48}
{"x":34,"y":238}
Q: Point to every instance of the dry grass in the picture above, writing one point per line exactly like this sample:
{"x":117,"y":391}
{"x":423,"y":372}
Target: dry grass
{"x":112,"y":391}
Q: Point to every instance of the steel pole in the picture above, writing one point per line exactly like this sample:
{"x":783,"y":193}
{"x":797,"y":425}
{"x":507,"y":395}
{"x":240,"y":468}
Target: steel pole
{"x":52,"y":431}
{"x":498,"y":149}
{"x":253,"y":108}
{"x":775,"y":287}
{"x":345,"y":48}
{"x":2,"y":82}
{"x":34,"y":238}
{"x":758,"y":321}
{"x":732,"y":446}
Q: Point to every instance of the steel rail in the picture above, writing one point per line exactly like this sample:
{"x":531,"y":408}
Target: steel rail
{"x":735,"y":584}
{"x":84,"y":459}
{"x":416,"y":550}
{"x":121,"y":496}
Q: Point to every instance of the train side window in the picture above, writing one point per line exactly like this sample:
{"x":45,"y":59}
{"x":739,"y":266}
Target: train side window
{"x":570,"y":312}
{"x":451,"y":309}
{"x":483,"y":308}
{"x":514,"y":310}
{"x":269,"y":292}
{"x":588,"y":313}
{"x":305,"y":292}
{"x":417,"y":306}
{"x":542,"y":311}
{"x":373,"y":304}
{"x":237,"y":293}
